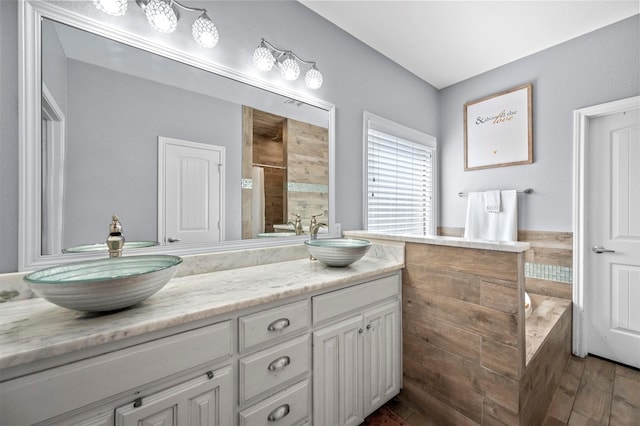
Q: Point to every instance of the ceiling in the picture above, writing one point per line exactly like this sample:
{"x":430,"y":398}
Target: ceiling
{"x":445,"y":42}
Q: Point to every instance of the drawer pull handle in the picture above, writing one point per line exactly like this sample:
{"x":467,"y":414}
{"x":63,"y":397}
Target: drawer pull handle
{"x":137,"y":402}
{"x":279,"y":363}
{"x":209,"y":374}
{"x":278,"y":413}
{"x":279,"y":324}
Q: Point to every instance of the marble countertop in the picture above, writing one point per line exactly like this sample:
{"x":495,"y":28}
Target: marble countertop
{"x":34,"y":329}
{"x":509,"y":246}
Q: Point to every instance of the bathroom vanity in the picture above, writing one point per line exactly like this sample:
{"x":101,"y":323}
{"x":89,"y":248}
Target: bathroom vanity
{"x":291,"y":342}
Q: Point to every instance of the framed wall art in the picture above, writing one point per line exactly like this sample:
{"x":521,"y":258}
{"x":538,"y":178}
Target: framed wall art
{"x":498,"y":130}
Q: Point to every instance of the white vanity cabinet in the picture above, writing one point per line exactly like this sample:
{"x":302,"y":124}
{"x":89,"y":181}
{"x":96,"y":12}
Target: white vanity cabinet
{"x":274,"y":382}
{"x":323,"y":357}
{"x":164,"y":374}
{"x":357,"y":354}
{"x":204,"y":400}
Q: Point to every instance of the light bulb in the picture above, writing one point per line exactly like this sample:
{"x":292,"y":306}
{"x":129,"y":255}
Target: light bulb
{"x":263,"y":58}
{"x":313,"y":78}
{"x":204,"y":32}
{"x":112,"y":7}
{"x":289,"y":68}
{"x":161,"y":16}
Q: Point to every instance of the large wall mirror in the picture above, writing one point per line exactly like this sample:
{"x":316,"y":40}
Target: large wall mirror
{"x":113,"y":123}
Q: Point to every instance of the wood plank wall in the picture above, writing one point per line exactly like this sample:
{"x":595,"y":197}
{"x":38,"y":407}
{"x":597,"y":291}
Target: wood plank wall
{"x":464,"y":349}
{"x":308,"y":163}
{"x":463,"y":334}
{"x":547,"y":248}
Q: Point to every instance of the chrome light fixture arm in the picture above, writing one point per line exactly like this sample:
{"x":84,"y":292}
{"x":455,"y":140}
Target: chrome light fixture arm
{"x":281,"y":53}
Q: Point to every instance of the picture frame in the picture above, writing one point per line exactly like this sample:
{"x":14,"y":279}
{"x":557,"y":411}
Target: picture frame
{"x":498,"y":129}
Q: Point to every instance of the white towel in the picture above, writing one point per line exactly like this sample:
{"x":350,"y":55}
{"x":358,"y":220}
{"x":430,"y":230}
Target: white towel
{"x":492,"y":201}
{"x":257,"y":200}
{"x":501,"y":226}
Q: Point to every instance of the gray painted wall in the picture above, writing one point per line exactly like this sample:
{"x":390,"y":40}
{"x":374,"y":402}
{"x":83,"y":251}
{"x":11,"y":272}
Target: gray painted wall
{"x":54,"y":66}
{"x":8,"y":136}
{"x":112,"y":150}
{"x":598,"y":67}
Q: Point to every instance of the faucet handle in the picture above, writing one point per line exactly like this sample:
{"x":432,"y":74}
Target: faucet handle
{"x":115,"y":226}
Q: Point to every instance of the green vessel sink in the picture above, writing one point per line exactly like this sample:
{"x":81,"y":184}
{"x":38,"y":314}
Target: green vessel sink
{"x":88,"y":248}
{"x":338,"y":251}
{"x":104,"y":284}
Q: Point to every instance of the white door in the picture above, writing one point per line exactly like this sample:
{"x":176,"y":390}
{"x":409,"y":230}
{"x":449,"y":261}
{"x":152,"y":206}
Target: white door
{"x":613,"y":226}
{"x":190,"y":192}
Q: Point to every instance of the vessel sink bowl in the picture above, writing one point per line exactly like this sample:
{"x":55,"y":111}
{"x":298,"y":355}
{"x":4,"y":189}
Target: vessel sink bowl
{"x":86,"y":248}
{"x":104,"y":284}
{"x":338,"y":251}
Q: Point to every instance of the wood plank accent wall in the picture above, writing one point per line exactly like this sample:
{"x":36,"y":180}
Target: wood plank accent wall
{"x":547,"y":248}
{"x":464,"y":349}
{"x":463,"y":334}
{"x":307,"y":163}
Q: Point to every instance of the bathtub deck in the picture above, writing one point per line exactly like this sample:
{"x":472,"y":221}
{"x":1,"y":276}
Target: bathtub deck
{"x":548,"y":348}
{"x":547,"y":311}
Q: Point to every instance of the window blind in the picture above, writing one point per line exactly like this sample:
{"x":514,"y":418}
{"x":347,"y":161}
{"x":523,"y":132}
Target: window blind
{"x":399,"y":184}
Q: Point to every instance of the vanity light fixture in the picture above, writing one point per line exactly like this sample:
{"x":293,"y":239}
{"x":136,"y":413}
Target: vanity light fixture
{"x":112,"y":7}
{"x":266,"y":55}
{"x":163,"y":16}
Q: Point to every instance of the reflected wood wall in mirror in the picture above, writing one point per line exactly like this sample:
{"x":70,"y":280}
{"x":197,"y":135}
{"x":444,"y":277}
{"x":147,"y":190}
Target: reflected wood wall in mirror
{"x":291,"y":160}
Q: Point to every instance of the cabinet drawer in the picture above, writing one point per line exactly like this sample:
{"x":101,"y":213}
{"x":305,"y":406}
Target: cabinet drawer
{"x":339,"y":302}
{"x":289,"y":407}
{"x":115,"y":372}
{"x":197,"y":401}
{"x":273,"y":324}
{"x":273,"y":366}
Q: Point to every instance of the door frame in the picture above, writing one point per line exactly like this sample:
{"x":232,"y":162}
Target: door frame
{"x":581,"y":119}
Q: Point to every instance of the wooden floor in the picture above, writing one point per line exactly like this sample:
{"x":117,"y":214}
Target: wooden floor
{"x":592,"y":391}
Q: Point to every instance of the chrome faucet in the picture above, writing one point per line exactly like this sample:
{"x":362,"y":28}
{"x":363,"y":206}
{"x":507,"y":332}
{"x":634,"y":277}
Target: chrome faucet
{"x":314,"y":221}
{"x":297,"y":226}
{"x":313,"y":230}
{"x":115,"y":240}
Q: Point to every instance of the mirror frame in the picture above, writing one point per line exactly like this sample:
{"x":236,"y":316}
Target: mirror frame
{"x":30,"y":14}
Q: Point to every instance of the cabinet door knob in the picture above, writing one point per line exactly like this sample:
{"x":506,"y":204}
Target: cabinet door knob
{"x":209,"y":374}
{"x":278,"y":413}
{"x":368,"y":326}
{"x":279,"y":324}
{"x":360,"y":331}
{"x":279,"y":363}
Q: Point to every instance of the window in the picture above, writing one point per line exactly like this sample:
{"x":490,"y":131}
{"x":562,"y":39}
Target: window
{"x":399,"y":178}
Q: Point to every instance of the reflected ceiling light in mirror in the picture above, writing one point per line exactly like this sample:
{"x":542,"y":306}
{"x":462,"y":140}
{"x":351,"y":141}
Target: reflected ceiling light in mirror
{"x":266,"y":54}
{"x":163,"y":16}
{"x":112,"y":7}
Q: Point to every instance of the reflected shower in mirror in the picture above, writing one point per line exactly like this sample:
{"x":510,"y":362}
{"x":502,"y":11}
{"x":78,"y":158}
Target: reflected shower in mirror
{"x":162,"y":144}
